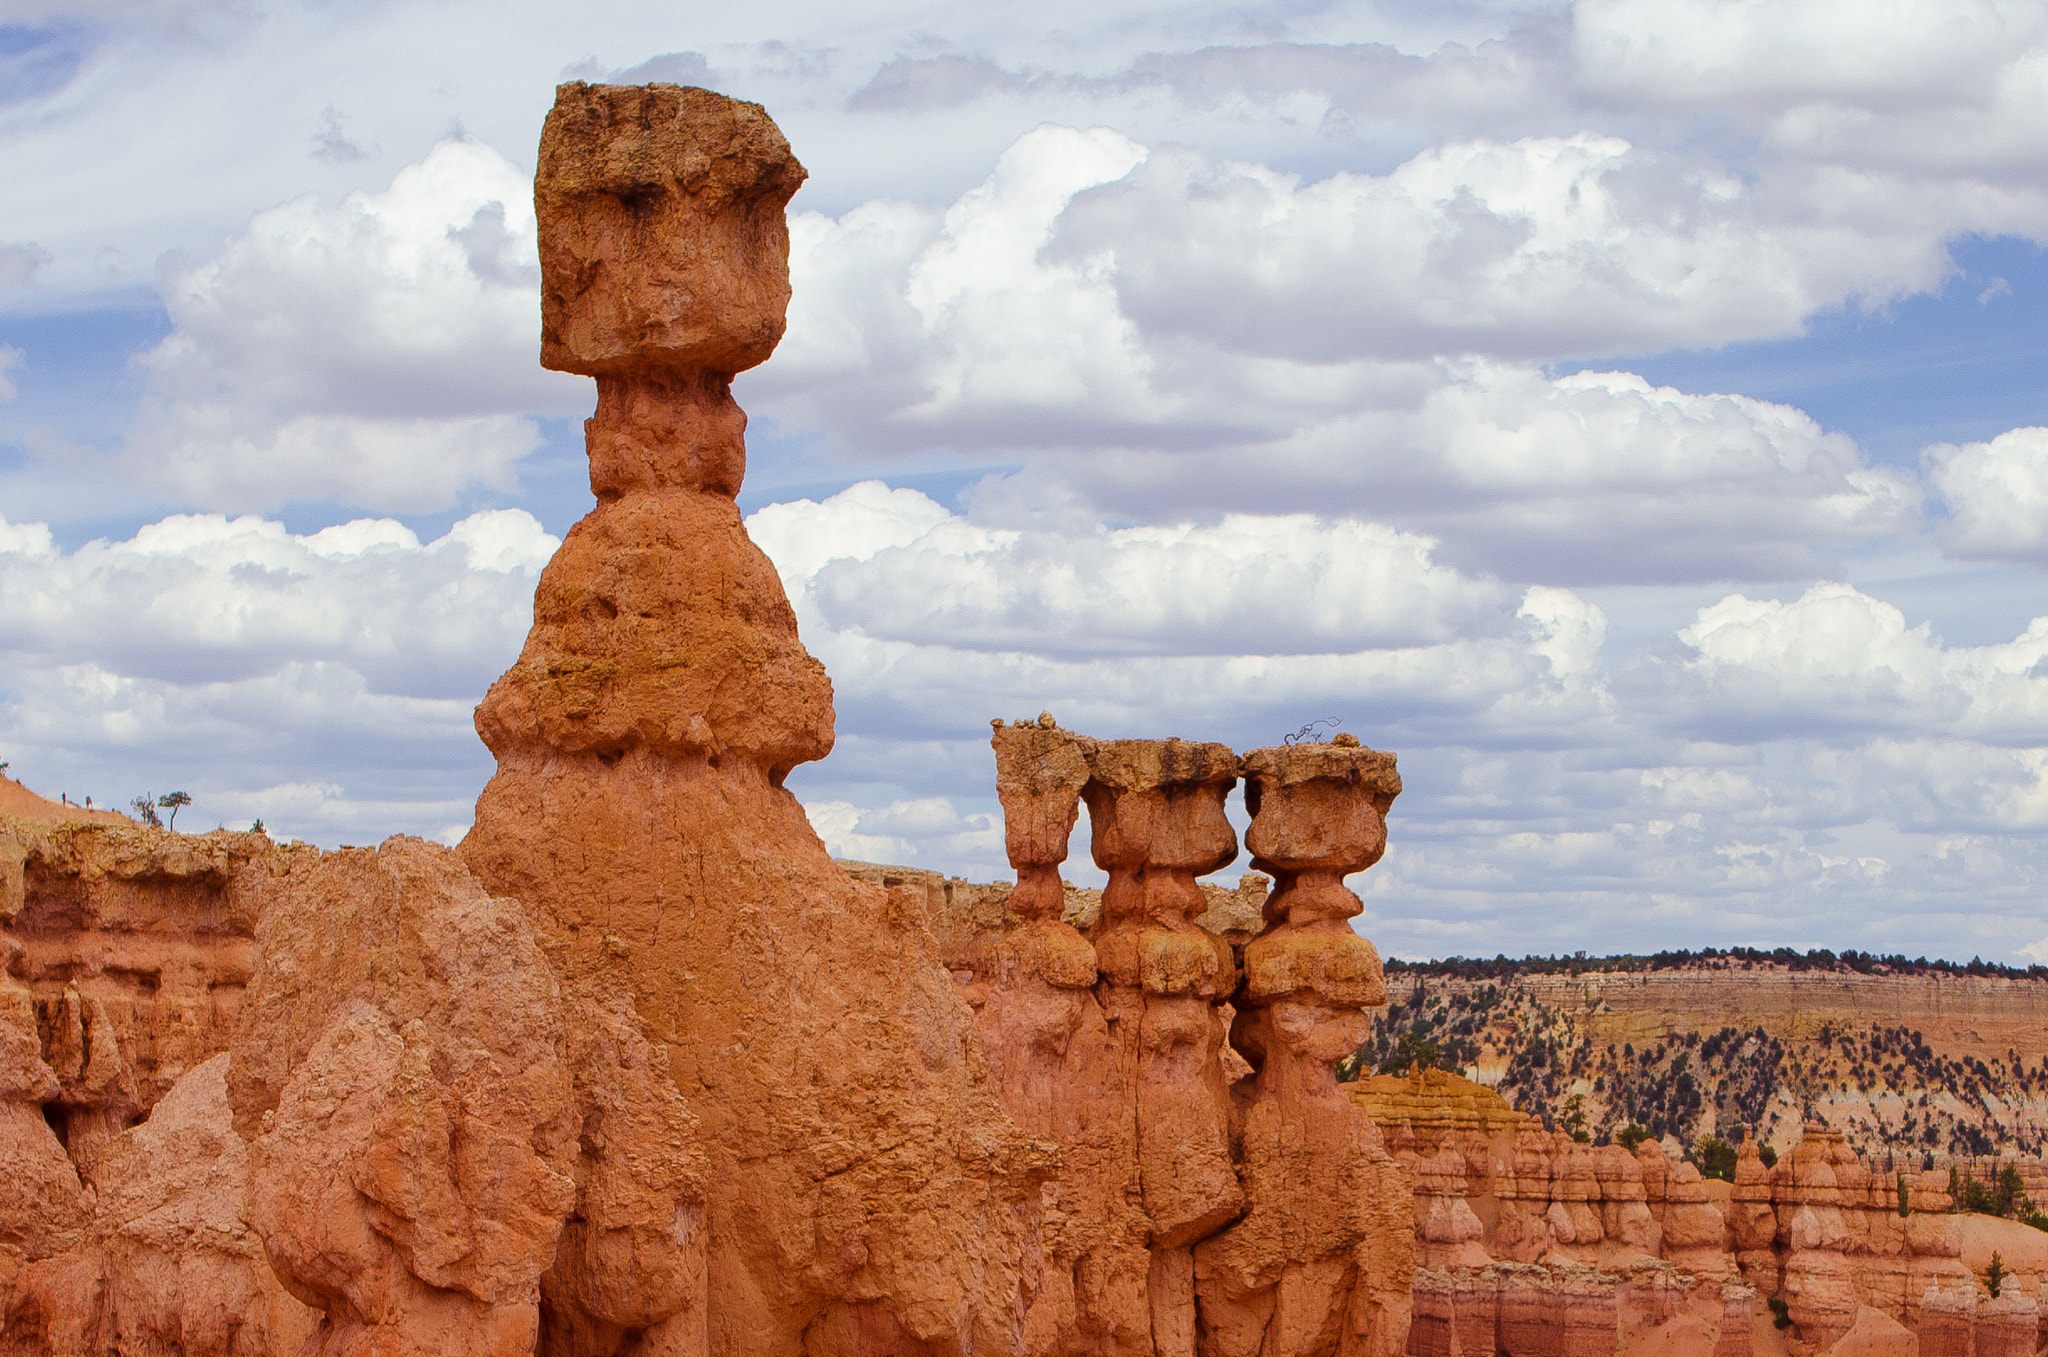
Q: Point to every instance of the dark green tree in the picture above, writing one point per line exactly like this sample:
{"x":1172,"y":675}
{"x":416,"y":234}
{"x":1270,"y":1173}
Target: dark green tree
{"x":1715,"y":1158}
{"x":171,"y":801}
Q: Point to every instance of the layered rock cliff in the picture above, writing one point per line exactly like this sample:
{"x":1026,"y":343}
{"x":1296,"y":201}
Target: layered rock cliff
{"x":1928,"y":1066}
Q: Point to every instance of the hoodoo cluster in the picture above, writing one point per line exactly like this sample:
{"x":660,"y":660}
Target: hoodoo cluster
{"x":1194,"y":1211}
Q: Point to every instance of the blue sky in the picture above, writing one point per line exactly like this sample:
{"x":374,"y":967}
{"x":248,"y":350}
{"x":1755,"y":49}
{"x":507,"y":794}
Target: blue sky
{"x":1631,"y":414}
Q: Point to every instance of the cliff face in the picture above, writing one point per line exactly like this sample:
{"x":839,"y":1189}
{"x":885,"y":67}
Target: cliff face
{"x":125,"y":954}
{"x":1927,"y":1067}
{"x":1620,"y":1251}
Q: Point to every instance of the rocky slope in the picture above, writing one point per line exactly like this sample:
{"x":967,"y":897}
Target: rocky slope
{"x":1913,"y":1060}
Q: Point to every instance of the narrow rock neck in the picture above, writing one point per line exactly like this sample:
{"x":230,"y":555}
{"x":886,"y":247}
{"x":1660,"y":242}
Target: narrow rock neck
{"x":659,"y":431}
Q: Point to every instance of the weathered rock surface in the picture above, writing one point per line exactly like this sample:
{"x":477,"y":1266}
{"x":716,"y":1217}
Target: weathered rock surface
{"x":1319,"y":1262}
{"x":1215,"y":1197}
{"x":402,"y":1073}
{"x":124,"y":953}
{"x":133,"y":946}
{"x":864,"y":1191}
{"x":168,"y":1263}
{"x":1818,"y":1231}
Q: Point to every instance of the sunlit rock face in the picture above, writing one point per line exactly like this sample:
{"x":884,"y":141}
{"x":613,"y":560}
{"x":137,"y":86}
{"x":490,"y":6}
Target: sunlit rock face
{"x":863,"y":1189}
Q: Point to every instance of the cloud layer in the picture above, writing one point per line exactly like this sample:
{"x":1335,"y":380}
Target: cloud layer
{"x":1281,"y":364}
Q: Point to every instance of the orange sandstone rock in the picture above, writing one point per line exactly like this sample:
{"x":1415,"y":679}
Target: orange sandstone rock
{"x":401,"y":1076}
{"x":1048,"y":1044}
{"x":1318,"y":1182}
{"x":864,"y":1191}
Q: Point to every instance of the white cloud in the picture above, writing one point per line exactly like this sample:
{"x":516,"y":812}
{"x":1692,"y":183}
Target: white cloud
{"x":196,"y":598}
{"x":323,"y":681}
{"x":381,"y":352}
{"x":1596,"y":477}
{"x":10,"y":358}
{"x":940,"y":623}
{"x":1884,"y":52}
{"x":909,"y":833}
{"x":1274,"y":585}
{"x":1838,"y":661}
{"x":1542,"y":247}
{"x":1997,"y":494}
{"x":1093,"y":293}
{"x":31,"y":540}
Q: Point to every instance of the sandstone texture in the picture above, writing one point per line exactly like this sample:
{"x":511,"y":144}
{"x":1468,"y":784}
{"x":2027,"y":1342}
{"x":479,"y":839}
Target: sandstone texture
{"x":1505,"y":1209}
{"x":863,"y":1189}
{"x":124,"y":955}
{"x":1217,"y":1192}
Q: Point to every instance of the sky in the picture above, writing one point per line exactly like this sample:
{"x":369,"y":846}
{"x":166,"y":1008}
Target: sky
{"x":1632,"y":414}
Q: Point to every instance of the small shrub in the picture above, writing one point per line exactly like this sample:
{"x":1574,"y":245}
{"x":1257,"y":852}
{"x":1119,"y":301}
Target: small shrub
{"x":1905,"y":1197}
{"x":1995,"y":1275}
{"x":1631,"y":1135}
{"x":1781,"y":1314}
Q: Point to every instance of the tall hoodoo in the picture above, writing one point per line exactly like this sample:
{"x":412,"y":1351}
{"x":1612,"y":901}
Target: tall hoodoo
{"x":1155,"y":810}
{"x":1320,"y":1261}
{"x":864,"y":1192}
{"x":1049,"y":1046}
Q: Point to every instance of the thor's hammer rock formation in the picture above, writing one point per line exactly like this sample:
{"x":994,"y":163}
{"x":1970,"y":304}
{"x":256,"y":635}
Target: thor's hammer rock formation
{"x":864,"y":1191}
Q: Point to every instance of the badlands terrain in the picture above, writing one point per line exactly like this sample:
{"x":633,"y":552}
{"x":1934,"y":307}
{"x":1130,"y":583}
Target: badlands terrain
{"x":1915,"y":1060}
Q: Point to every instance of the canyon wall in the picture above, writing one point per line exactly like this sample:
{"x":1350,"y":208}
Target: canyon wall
{"x":1928,"y":1068}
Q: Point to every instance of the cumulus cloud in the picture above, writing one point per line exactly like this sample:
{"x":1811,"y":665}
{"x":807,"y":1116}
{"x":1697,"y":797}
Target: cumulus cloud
{"x":1840,"y":662}
{"x":1898,"y":53}
{"x":233,"y":658}
{"x":1997,"y":495}
{"x":205,"y":598}
{"x":1048,"y":311}
{"x":379,"y":353}
{"x":1929,"y":88}
{"x":1289,"y":584}
{"x":1589,"y":478}
{"x":931,"y":623}
{"x":1094,"y":290}
{"x":909,"y":832}
{"x":10,"y":359}
{"x":1542,"y":247}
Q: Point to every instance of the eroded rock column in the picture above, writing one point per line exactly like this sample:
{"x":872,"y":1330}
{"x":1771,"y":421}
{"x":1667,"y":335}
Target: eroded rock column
{"x":1155,"y":810}
{"x":1306,"y":1271}
{"x":864,"y":1192}
{"x":1048,"y":1045}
